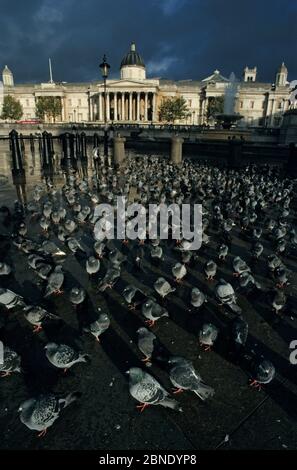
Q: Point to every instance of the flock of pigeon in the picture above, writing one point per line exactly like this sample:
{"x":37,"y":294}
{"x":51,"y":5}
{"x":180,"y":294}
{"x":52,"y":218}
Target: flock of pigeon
{"x":255,"y":201}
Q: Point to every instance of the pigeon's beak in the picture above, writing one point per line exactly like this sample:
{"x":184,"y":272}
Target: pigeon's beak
{"x":127,"y":372}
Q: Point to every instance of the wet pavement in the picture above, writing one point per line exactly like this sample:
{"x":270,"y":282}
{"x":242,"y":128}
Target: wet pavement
{"x":105,"y":417}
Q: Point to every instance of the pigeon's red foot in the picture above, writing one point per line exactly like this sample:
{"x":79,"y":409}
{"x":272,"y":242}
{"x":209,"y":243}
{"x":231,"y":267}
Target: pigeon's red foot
{"x":37,"y":329}
{"x":255,"y":384}
{"x":42,"y":433}
{"x":176,"y":391}
{"x":150,"y":322}
{"x":142,"y":407}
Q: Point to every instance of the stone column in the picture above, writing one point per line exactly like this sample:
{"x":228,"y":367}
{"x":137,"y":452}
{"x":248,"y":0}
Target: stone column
{"x":123,"y":107}
{"x":145,"y":106}
{"x":138,"y":107}
{"x":119,"y":150}
{"x":176,"y":150}
{"x":100,"y":116}
{"x":130,"y":106}
{"x":115,"y":108}
{"x":154,"y":108}
{"x":107,"y":107}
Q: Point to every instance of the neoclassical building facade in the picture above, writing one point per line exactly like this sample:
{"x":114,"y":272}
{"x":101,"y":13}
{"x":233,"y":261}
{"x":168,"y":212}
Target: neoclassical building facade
{"x":134,"y":98}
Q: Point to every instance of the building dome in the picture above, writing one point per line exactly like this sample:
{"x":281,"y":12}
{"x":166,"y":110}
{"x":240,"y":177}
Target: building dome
{"x":132,"y":58}
{"x":132,"y":65}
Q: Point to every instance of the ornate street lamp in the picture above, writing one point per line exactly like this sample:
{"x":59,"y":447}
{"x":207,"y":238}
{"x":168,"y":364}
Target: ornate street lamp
{"x":104,"y":70}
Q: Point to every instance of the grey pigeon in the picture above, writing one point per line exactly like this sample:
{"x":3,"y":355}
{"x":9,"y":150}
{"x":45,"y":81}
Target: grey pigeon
{"x":63,"y":356}
{"x":184,"y":377}
{"x":9,"y":299}
{"x":145,"y":342}
{"x":99,"y":326}
{"x":163,"y":287}
{"x":147,"y":391}
{"x":11,"y":362}
{"x":152,"y":311}
{"x":92,"y":265}
{"x":208,"y":335}
{"x":38,"y":414}
{"x":55,"y":282}
{"x":37,"y":315}
{"x":77,"y":295}
{"x":262,"y":371}
{"x":111,"y":276}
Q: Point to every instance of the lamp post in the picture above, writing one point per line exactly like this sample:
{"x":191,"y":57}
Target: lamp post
{"x":104,"y":70}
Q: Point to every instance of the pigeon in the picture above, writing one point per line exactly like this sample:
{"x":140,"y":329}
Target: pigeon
{"x":239,"y":334}
{"x":35,"y":260}
{"x":225,"y":294}
{"x":9,"y":299}
{"x":55,"y":282}
{"x":163,"y":287}
{"x":279,"y":301}
{"x":116,"y":258}
{"x":37,"y":315}
{"x":239,"y":266}
{"x":50,"y":248}
{"x":74,"y":245}
{"x":43,"y":270}
{"x":257,"y":250}
{"x":44,"y":224}
{"x":38,"y":414}
{"x":281,"y":276}
{"x":92,"y":265}
{"x":145,"y":343}
{"x":208,"y":335}
{"x":262,"y":372}
{"x":77,"y":295}
{"x":133,"y":296}
{"x":99,"y":248}
{"x":179,"y":271}
{"x":147,"y":391}
{"x":184,"y":377}
{"x":197,"y":298}
{"x":5,"y":269}
{"x":99,"y":326}
{"x":152,"y":311}
{"x":223,"y":251}
{"x":210,"y":270}
{"x":110,"y":278}
{"x":11,"y":362}
{"x":70,"y":225}
{"x":63,"y":356}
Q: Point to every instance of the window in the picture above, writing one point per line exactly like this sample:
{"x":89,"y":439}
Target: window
{"x":250,"y":79}
{"x":241,"y":104}
{"x":27,"y":103}
{"x":190,"y":103}
{"x":79,"y":102}
{"x":263,"y":104}
{"x":252,"y":104}
{"x":69,"y":102}
{"x":280,"y":105}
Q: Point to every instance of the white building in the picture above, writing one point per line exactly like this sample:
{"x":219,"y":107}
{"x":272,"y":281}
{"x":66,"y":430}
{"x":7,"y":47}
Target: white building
{"x":134,"y":98}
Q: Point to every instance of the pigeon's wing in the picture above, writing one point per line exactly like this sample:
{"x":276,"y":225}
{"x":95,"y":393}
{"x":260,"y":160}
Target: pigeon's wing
{"x":148,"y":390}
{"x":146,"y":344}
{"x":64,"y":355}
{"x":184,"y":376}
{"x":44,"y":411}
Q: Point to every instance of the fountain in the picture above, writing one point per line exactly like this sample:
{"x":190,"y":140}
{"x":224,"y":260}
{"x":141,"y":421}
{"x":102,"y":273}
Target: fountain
{"x":229,"y":117}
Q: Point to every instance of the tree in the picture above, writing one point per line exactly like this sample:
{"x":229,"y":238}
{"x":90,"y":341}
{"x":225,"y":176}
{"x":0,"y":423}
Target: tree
{"x":11,"y":109}
{"x":172,"y":109}
{"x":215,"y":106}
{"x":50,"y":106}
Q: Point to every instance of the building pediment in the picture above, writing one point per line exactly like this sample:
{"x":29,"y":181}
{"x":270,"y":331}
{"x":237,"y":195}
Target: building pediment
{"x":131,"y":84}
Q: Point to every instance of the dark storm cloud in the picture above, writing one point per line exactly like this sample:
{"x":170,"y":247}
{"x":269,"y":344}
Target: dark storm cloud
{"x":177,"y":38}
